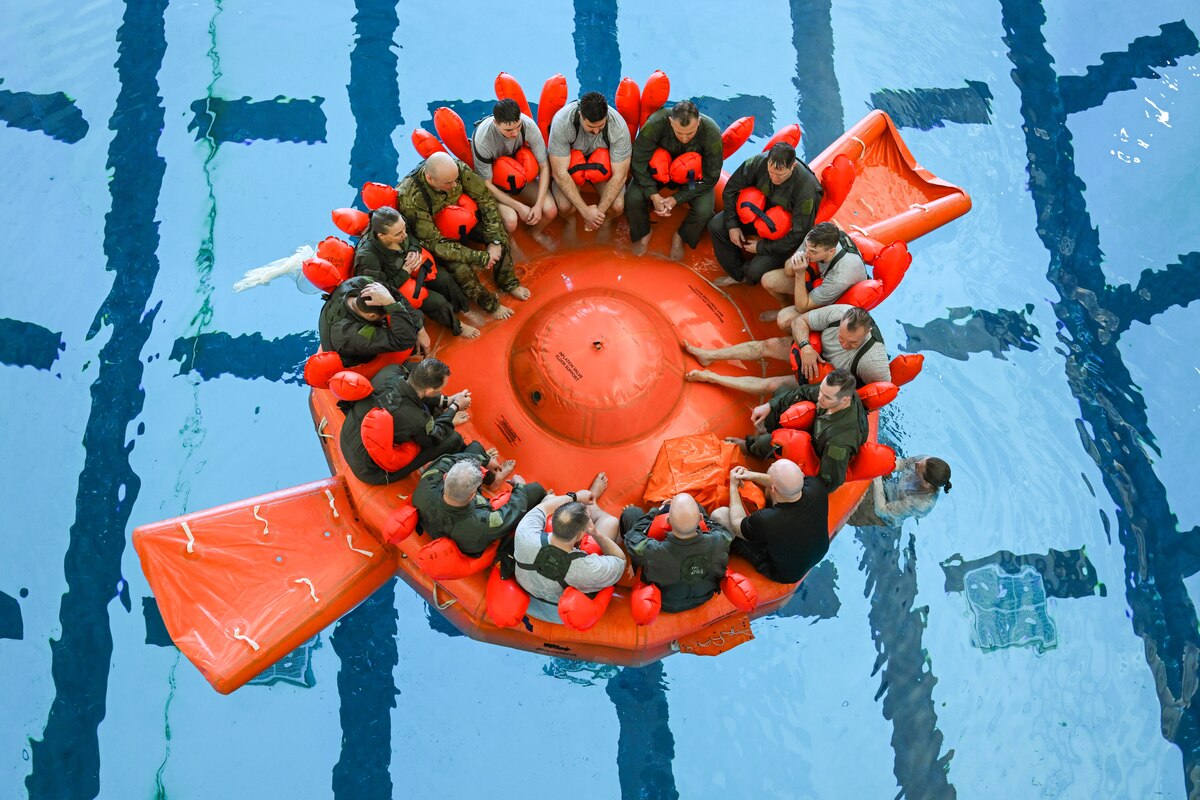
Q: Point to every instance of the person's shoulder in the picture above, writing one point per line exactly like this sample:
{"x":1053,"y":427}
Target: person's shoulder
{"x":710,"y":124}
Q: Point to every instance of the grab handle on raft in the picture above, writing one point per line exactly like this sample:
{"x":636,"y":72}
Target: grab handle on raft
{"x":442,"y":606}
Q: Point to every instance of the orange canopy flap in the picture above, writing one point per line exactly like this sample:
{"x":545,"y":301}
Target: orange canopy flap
{"x":242,"y":585}
{"x":699,"y":465}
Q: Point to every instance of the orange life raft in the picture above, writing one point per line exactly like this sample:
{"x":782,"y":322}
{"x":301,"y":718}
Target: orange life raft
{"x":587,"y":376}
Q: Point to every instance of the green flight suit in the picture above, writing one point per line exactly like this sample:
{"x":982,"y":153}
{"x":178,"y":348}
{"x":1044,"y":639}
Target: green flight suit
{"x":358,"y":341}
{"x":419,"y":203}
{"x":687,"y":571}
{"x":380,"y":263}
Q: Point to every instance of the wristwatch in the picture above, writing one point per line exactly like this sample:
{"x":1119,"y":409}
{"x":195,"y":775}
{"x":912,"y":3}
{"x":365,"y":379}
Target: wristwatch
{"x":495,"y":241}
{"x":574,"y":496}
{"x":804,"y":344}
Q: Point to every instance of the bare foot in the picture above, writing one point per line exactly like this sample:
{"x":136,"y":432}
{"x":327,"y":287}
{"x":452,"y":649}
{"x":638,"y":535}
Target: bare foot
{"x":505,"y":470}
{"x":768,"y":316}
{"x":676,"y":248}
{"x":542,"y":238}
{"x":699,"y":376}
{"x":599,"y":485}
{"x":698,"y":353}
{"x":521,"y":293}
{"x":741,"y":443}
{"x":501,"y":312}
{"x":726,"y":280}
{"x":473,"y":318}
{"x":468,"y":331}
{"x":640,"y":246}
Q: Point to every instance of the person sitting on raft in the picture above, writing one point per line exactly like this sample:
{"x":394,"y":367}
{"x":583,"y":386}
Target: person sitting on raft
{"x":438,"y":182}
{"x":420,"y":414}
{"x":387,"y":254}
{"x":361,"y":320}
{"x":910,"y":491}
{"x":827,"y":254}
{"x":785,"y":182}
{"x":547,"y":563}
{"x":600,"y":134}
{"x":850,"y":341}
{"x":505,"y":132}
{"x":689,"y":563}
{"x":449,"y":501}
{"x":787,"y":538}
{"x":677,"y":130}
{"x":838,"y":431}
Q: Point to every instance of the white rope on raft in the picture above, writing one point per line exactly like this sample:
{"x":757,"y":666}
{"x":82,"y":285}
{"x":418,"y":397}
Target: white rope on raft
{"x":191,"y":543}
{"x":312,"y":590}
{"x":861,"y":143}
{"x":266,"y":528}
{"x":237,"y":634}
{"x":329,"y":494}
{"x":321,"y":429}
{"x":860,"y":230}
{"x":350,"y":543}
{"x":921,"y":206}
{"x":261,"y":276}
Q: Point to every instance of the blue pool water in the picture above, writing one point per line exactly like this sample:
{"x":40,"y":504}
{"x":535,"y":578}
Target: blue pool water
{"x":1035,"y":636}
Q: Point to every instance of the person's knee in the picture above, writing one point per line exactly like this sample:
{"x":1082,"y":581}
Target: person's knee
{"x":549,"y":209}
{"x":778,"y":348}
{"x":722,"y":518}
{"x":618,"y":206}
{"x":509,"y":218}
{"x":716,"y":227}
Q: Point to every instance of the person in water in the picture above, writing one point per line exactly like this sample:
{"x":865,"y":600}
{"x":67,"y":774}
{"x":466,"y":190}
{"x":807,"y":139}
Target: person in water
{"x":505,"y":132}
{"x":689,"y":563}
{"x":548,"y":562}
{"x":850,"y":340}
{"x":910,"y":491}
{"x":678,"y":130}
{"x":387,"y":254}
{"x":787,"y":538}
{"x":786,"y":183}
{"x":361,"y":320}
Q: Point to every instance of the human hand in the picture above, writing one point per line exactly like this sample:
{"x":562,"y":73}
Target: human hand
{"x":423,"y":343}
{"x":796,"y":262}
{"x":659,"y":203}
{"x":737,"y":237}
{"x":412,"y":260}
{"x":668,"y":205}
{"x":494,"y":251}
{"x":533,"y":215}
{"x":751,"y":246}
{"x":737,"y":475}
{"x":460,"y":418}
{"x":517,"y":480}
{"x":809,"y":361}
{"x":585,"y":496}
{"x":376,"y":294}
{"x":593,"y":218}
{"x":759,"y":413}
{"x":462,"y":399}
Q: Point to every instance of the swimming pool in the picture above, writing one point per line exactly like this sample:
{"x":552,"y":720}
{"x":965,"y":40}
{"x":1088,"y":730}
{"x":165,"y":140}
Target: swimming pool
{"x":158,"y":151}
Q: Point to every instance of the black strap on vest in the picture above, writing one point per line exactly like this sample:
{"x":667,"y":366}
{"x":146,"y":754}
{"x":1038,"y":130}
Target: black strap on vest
{"x":475,"y":150}
{"x":848,"y":246}
{"x":876,"y":339}
{"x":539,"y":563}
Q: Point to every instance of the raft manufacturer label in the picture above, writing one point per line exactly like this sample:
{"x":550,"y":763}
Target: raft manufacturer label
{"x":506,"y":430}
{"x":711,"y":305}
{"x":568,"y":365}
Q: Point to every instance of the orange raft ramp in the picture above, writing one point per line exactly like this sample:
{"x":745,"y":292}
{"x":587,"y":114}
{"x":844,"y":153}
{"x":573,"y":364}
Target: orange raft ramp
{"x":588,"y":376}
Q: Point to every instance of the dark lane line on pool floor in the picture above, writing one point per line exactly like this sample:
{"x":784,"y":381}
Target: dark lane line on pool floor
{"x":597,"y":50}
{"x":646,"y":747}
{"x":24,"y":344}
{"x":282,"y":119}
{"x":55,"y":115}
{"x":818,"y":96}
{"x":366,"y":639}
{"x":1115,"y":432}
{"x":66,"y":762}
{"x":926,"y":109}
{"x":250,"y":356}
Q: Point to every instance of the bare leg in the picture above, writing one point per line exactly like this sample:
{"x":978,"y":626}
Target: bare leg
{"x":538,"y":232}
{"x":641,"y":245}
{"x":721,"y":517}
{"x":786,"y":317}
{"x":746,"y":351}
{"x":599,"y":485}
{"x":743,"y":383}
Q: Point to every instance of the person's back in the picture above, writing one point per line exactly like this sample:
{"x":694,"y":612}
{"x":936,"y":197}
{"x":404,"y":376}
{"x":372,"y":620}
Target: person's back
{"x":784,"y":541}
{"x":689,"y":563}
{"x":358,"y":335}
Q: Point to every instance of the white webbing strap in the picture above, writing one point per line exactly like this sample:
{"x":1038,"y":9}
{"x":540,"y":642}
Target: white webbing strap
{"x":350,"y":543}
{"x":237,"y":634}
{"x":266,"y":528}
{"x":312,"y":590}
{"x":191,"y":540}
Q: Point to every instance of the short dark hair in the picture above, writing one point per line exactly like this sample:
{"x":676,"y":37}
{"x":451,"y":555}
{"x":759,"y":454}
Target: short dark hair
{"x":937,"y":473}
{"x":843,"y":381}
{"x":569,"y":522}
{"x":506,"y":111}
{"x":383,"y":218}
{"x":856,"y":319}
{"x":782,"y":155}
{"x":429,"y":374}
{"x":593,"y":107}
{"x":684,"y":112}
{"x":824,"y":234}
{"x":363,"y":307}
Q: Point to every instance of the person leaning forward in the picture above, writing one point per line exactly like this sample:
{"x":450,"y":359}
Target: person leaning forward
{"x":588,"y":125}
{"x":678,"y":130}
{"x":449,"y":502}
{"x":420,"y":414}
{"x":687,"y":565}
{"x":786,"y":182}
{"x":438,"y":182}
{"x":361,"y":320}
{"x":839,"y":428}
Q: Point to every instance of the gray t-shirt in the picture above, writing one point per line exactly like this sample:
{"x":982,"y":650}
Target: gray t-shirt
{"x":874,"y":364}
{"x":489,"y":144}
{"x":848,"y":271}
{"x":564,"y":139}
{"x":588,"y":574}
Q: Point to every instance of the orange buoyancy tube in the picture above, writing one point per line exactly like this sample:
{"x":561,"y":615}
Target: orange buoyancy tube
{"x":350,"y":221}
{"x":629,"y":104}
{"x":655,"y":92}
{"x":376,"y":195}
{"x":458,"y":219}
{"x":426,"y":144}
{"x":453,"y":133}
{"x":736,"y":135}
{"x":596,"y":167}
{"x":788,"y":133}
{"x":509,"y":88}
{"x":378,"y":431}
{"x":554,"y":97}
{"x":836,"y":181}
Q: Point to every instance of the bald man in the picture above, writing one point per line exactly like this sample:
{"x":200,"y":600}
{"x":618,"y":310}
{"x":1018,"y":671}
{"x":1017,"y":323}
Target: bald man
{"x":687,"y":564}
{"x":791,"y":535}
{"x":438,"y":182}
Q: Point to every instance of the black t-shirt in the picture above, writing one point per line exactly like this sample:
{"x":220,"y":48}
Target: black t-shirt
{"x":790,"y":538}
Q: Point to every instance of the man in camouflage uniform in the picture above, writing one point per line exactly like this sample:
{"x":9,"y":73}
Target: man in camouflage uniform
{"x":438,"y":182}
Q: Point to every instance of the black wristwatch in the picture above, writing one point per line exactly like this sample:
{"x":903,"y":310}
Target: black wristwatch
{"x":574,"y":497}
{"x":803,"y":344}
